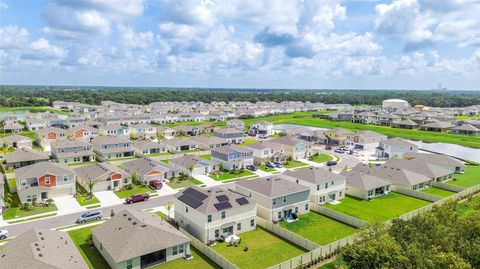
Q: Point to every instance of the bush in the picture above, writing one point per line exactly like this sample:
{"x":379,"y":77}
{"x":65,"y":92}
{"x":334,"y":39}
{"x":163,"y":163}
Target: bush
{"x":26,"y":206}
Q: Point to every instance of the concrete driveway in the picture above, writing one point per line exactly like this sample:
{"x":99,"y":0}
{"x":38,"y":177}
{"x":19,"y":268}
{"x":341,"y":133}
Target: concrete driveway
{"x":108,"y":198}
{"x":67,"y":204}
{"x":166,"y":190}
{"x":208,"y":181}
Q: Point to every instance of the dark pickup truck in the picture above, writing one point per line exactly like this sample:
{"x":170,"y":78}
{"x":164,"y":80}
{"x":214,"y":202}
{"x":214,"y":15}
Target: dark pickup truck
{"x":137,"y":198}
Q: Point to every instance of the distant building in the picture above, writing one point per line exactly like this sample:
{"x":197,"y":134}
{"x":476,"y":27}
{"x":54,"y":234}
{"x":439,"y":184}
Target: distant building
{"x":395,"y":103}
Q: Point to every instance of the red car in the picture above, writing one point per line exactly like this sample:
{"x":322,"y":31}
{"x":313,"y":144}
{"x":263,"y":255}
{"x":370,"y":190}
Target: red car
{"x":156,"y":184}
{"x":137,"y":198}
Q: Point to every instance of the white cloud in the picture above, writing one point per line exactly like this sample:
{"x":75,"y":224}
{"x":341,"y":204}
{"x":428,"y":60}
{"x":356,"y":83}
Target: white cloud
{"x":13,"y":36}
{"x":133,"y":40}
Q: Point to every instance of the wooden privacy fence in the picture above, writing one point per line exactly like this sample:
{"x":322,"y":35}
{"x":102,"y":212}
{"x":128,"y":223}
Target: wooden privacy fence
{"x":347,"y":219}
{"x":416,"y":194}
{"x":448,"y":187}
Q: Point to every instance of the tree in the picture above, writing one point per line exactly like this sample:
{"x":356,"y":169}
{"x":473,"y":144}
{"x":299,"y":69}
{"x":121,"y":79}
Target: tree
{"x":190,"y":168}
{"x":90,"y":186}
{"x":8,"y":199}
{"x":169,"y":206}
{"x":135,"y":178}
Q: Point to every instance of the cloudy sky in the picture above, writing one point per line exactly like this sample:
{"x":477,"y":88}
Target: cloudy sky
{"x":399,"y":44}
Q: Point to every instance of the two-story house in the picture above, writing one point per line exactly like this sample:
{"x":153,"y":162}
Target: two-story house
{"x":261,"y":129}
{"x":325,"y":186}
{"x":112,"y":147}
{"x":209,"y":142}
{"x":105,"y":176}
{"x":72,"y":151}
{"x":395,"y":148}
{"x":232,"y":156}
{"x":115,"y":130}
{"x":34,"y":124}
{"x":44,"y":180}
{"x":236,"y":124}
{"x":211,"y":213}
{"x":277,"y":198}
{"x":47,"y":135}
{"x":267,"y":151}
{"x":365,"y":140}
{"x":337,"y":136}
{"x":83,"y":132}
{"x":232,"y":135}
{"x":294,"y":147}
{"x":143,"y":130}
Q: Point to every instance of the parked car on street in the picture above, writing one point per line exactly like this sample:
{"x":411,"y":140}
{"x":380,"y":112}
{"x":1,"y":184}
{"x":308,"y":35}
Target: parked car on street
{"x":278,"y":164}
{"x":3,"y":234}
{"x":252,"y":167}
{"x":156,"y":184}
{"x":89,"y":216}
{"x":331,"y":163}
{"x":137,"y":198}
{"x":339,"y":150}
{"x":270,"y":164}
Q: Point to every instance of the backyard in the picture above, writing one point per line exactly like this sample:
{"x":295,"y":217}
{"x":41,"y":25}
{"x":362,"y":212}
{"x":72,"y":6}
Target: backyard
{"x":470,"y":205}
{"x":206,"y":156}
{"x":319,"y":229}
{"x":438,"y":192}
{"x":381,"y":208}
{"x":321,"y":158}
{"x":199,"y":261}
{"x":92,"y":257}
{"x":264,"y":249}
{"x":249,"y":141}
{"x":469,"y":179}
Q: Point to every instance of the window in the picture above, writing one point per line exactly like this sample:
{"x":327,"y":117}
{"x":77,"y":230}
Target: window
{"x":180,"y":249}
{"x":217,"y":233}
{"x":340,"y":194}
{"x":47,"y":180}
{"x":296,"y":209}
{"x":65,"y":178}
{"x":252,"y":222}
{"x":332,"y":183}
{"x":175,"y":250}
{"x":279,"y":214}
{"x":129,"y":264}
{"x":24,"y":182}
{"x":306,"y":207}
{"x":239,"y":226}
{"x":125,"y":180}
{"x":326,"y":185}
{"x":318,"y":187}
{"x":29,"y":198}
{"x":284,"y":199}
{"x":274,"y":201}
{"x":223,"y":214}
{"x":209,"y":218}
{"x":186,"y":209}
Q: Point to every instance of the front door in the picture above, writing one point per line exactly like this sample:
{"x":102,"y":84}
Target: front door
{"x":44,"y":195}
{"x":331,"y":197}
{"x":115,"y":184}
{"x":228,"y":231}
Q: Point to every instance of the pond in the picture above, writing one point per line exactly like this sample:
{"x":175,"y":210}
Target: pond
{"x":458,"y":151}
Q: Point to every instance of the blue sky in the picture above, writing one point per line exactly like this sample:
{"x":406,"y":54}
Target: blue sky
{"x":399,"y":44}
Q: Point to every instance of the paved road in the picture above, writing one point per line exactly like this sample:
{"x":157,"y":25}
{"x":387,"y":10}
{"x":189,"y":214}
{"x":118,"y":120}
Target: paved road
{"x":345,"y":159}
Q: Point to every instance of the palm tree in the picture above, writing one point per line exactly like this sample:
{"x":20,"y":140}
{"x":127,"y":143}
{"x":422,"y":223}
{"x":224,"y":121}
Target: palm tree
{"x":8,"y":199}
{"x":135,"y":177}
{"x":169,"y":206}
{"x":90,"y":186}
{"x":190,"y":168}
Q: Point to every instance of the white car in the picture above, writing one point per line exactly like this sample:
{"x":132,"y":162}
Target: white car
{"x":3,"y":234}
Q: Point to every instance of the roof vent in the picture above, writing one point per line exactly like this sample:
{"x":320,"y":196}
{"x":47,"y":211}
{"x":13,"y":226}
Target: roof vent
{"x":129,"y":219}
{"x":134,"y":223}
{"x":40,"y":255}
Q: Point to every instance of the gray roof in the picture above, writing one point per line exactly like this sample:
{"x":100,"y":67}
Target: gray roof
{"x":42,"y":168}
{"x":363,"y":181}
{"x":419,"y":166}
{"x":436,"y":159}
{"x":145,"y":165}
{"x":176,"y":142}
{"x":112,"y":127}
{"x":146,"y":144}
{"x":466,"y":127}
{"x":209,"y":140}
{"x":130,"y":234}
{"x":69,"y":143}
{"x":314,"y":175}
{"x":290,"y":141}
{"x":229,"y":131}
{"x":14,"y":138}
{"x":108,"y":139}
{"x":398,"y":142}
{"x":47,"y":130}
{"x":212,"y":200}
{"x":25,"y":154}
{"x":41,"y":249}
{"x":187,"y":160}
{"x":229,"y":148}
{"x":80,"y":127}
{"x":272,"y":186}
{"x":98,"y":171}
{"x":439,"y":124}
{"x":407,"y":122}
{"x":397,"y":176}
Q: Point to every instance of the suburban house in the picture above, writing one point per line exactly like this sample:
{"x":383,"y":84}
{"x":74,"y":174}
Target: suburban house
{"x":267,"y":151}
{"x":143,"y":130}
{"x":34,"y":124}
{"x":437,"y":159}
{"x":42,"y":249}
{"x":465,"y":129}
{"x":135,"y":239}
{"x":211,"y":213}
{"x":44,"y":180}
{"x":365,"y":140}
{"x":435,"y":172}
{"x":209,"y":142}
{"x":105,"y":176}
{"x":437,"y":126}
{"x":191,"y":165}
{"x":115,"y":130}
{"x":236,"y":124}
{"x":72,"y":151}
{"x":232,"y":156}
{"x":112,"y":147}
{"x":24,"y":157}
{"x":294,"y":147}
{"x":190,"y":130}
{"x":147,"y":147}
{"x":337,"y":136}
{"x":365,"y":186}
{"x":16,"y":141}
{"x":207,"y":128}
{"x":325,"y":186}
{"x":166,"y":132}
{"x":12,"y":128}
{"x":176,"y":145}
{"x":83,"y":132}
{"x":277,"y":198}
{"x":231,"y":135}
{"x":261,"y":128}
{"x":73,"y":121}
{"x":394,"y":148}
{"x":148,"y":169}
{"x":47,"y":135}
{"x":406,"y":124}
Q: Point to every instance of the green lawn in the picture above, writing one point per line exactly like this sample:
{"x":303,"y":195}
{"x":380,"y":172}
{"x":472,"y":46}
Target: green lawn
{"x":321,"y":158}
{"x":206,"y":156}
{"x":12,"y":183}
{"x":438,"y":192}
{"x":381,"y":208}
{"x":249,"y":141}
{"x":158,"y":154}
{"x":82,"y":196}
{"x":470,"y":205}
{"x":34,"y":109}
{"x":17,"y":212}
{"x":469,"y":179}
{"x":184,"y":183}
{"x":318,"y":228}
{"x":199,"y":261}
{"x":333,"y":264}
{"x":266,"y":169}
{"x":264,"y":249}
{"x":294,"y":164}
{"x":28,"y":134}
{"x":136,"y":190}
{"x":33,"y":218}
{"x":227,"y":175}
{"x":80,"y":164}
{"x":92,"y":257}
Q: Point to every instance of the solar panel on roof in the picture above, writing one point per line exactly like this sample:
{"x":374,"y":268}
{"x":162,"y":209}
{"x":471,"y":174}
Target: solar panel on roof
{"x":242,"y":201}
{"x":190,"y":201}
{"x":223,"y":205}
{"x":222,"y":198}
{"x":195,"y":194}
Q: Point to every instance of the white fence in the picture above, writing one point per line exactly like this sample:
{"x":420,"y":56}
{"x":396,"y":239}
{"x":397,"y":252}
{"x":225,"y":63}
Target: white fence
{"x":448,"y":187}
{"x":333,"y":214}
{"x":416,"y":194}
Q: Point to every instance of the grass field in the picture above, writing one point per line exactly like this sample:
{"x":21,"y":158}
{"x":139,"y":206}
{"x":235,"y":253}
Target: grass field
{"x":206,"y":156}
{"x":470,"y":205}
{"x":248,"y":141}
{"x":381,"y":208}
{"x":82,"y":196}
{"x":227,"y":175}
{"x":199,"y":261}
{"x":321,"y":158}
{"x":335,"y":264}
{"x":136,"y":190}
{"x":266,"y":169}
{"x":469,"y":179}
{"x":184,"y":183}
{"x":92,"y":257}
{"x":294,"y":164}
{"x":318,"y":228}
{"x":264,"y":249}
{"x":33,"y":109}
{"x":438,"y":192}
{"x":28,"y":134}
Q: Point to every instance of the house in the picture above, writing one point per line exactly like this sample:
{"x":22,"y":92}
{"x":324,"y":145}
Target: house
{"x":267,"y":151}
{"x":143,"y":130}
{"x":147,"y":147}
{"x":72,"y":151}
{"x":435,"y":172}
{"x":16,"y":141}
{"x":42,"y":249}
{"x":166,"y":132}
{"x":232,"y":156}
{"x":34,"y":124}
{"x":148,"y":169}
{"x":105,"y":176}
{"x":261,"y":128}
{"x":364,"y":185}
{"x":365,"y":140}
{"x":277,"y":198}
{"x":111,"y":147}
{"x":337,"y":136}
{"x":294,"y":147}
{"x":189,"y":130}
{"x":135,"y":239}
{"x":73,"y":121}
{"x":207,"y":128}
{"x":211,"y":213}
{"x":115,"y":130}
{"x":83,"y":132}
{"x":191,"y":165}
{"x":176,"y":145}
{"x":325,"y":186}
{"x":406,"y":124}
{"x":12,"y":128}
{"x":465,"y":129}
{"x":209,"y":142}
{"x":236,"y":124}
{"x":437,"y":159}
{"x":394,"y":148}
{"x":44,"y":180}
{"x":232,"y":135}
{"x":437,"y":126}
{"x":47,"y":135}
{"x":24,"y":157}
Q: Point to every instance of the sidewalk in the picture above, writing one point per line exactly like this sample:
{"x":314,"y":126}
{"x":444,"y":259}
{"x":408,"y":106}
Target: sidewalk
{"x":208,"y":181}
